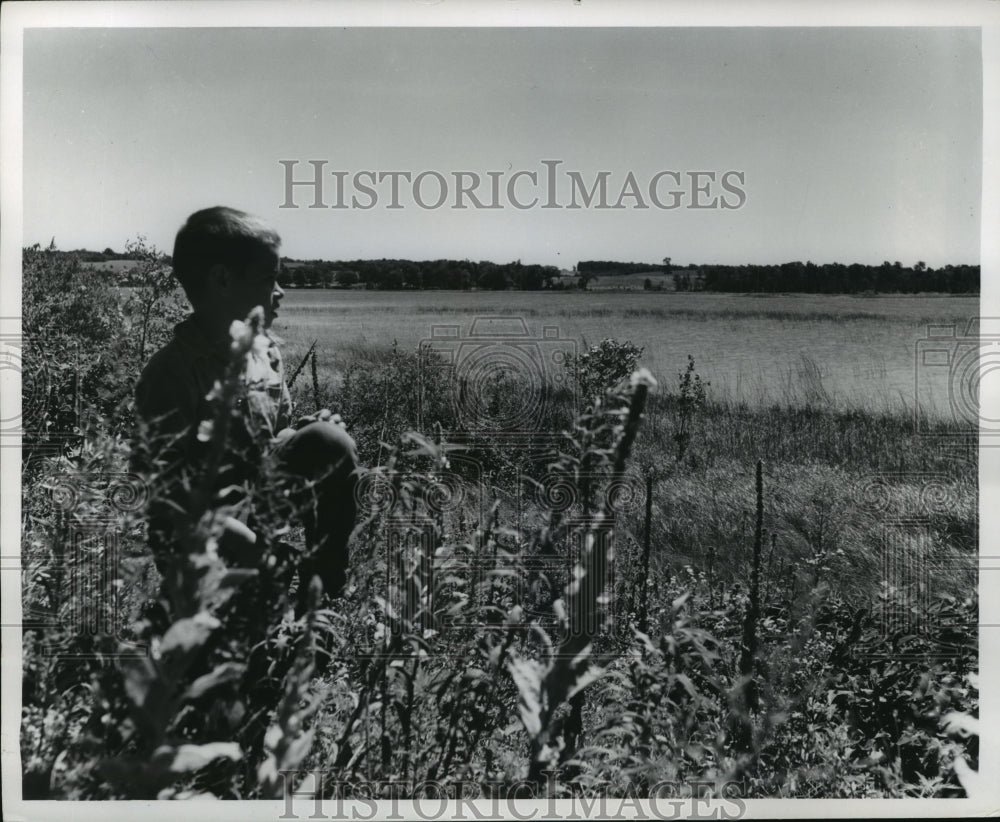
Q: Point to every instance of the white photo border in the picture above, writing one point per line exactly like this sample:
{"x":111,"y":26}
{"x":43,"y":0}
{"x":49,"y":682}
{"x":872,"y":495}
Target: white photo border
{"x":16,"y":16}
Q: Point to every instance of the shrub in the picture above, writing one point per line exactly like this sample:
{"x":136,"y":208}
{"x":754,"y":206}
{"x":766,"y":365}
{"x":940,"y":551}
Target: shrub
{"x":155,"y":301}
{"x":86,"y":338}
{"x":604,"y":366}
{"x":72,"y":362}
{"x":384,"y":395}
{"x":690,"y":398}
{"x":225,"y":661}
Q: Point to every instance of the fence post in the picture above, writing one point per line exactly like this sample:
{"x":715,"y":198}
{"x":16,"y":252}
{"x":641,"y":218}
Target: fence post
{"x":315,"y":378}
{"x":646,"y":544}
{"x":748,"y":658}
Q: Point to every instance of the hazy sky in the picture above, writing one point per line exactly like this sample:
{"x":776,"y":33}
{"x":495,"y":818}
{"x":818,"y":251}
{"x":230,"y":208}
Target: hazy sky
{"x":856,"y":144}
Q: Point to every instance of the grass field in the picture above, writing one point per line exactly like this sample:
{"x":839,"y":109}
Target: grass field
{"x":822,"y":388}
{"x":836,"y":351}
{"x":858,"y":502}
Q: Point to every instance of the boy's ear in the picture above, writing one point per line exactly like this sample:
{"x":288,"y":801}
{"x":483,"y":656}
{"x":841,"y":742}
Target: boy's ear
{"x":220,"y":278}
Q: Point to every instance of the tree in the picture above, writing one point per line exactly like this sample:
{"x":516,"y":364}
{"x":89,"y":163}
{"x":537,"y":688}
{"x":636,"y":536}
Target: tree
{"x":493,"y":279}
{"x":667,"y":267}
{"x":347,"y":278}
{"x":605,"y":365}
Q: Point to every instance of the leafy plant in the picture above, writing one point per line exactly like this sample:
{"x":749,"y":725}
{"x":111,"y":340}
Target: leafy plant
{"x":564,"y":671}
{"x":155,"y":298}
{"x":604,"y":366}
{"x":691,"y":396}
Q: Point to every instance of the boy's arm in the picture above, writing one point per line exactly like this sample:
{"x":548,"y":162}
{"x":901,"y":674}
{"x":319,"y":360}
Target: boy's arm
{"x":167,"y":404}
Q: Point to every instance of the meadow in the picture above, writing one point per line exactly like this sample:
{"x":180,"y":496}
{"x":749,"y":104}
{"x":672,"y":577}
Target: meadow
{"x":847,"y":352}
{"x":821,"y":388}
{"x":752,"y":573}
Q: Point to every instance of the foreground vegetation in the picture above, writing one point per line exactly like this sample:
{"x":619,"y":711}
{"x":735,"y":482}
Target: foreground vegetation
{"x":662,"y":588}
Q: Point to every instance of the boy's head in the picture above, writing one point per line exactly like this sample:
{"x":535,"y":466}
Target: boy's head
{"x":228,"y":263}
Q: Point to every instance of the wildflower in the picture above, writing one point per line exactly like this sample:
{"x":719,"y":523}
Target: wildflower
{"x":244,"y":335}
{"x":960,"y":724}
{"x":240,"y":336}
{"x":642,"y":376}
{"x":972,"y":781}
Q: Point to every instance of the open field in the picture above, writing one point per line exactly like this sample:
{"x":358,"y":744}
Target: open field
{"x":858,"y":505}
{"x":793,"y":616}
{"x":820,"y":388}
{"x":835,"y":351}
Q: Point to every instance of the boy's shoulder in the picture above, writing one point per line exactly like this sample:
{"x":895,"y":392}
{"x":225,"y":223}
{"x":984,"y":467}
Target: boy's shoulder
{"x":188,"y":347}
{"x":168,"y":358}
{"x":178,"y":376}
{"x":172,"y":357}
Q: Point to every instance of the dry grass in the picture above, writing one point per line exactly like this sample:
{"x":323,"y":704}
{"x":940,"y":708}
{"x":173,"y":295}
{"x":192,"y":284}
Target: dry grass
{"x":759,"y":350}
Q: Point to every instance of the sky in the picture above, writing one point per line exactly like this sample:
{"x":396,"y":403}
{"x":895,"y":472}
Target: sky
{"x":854,"y":144}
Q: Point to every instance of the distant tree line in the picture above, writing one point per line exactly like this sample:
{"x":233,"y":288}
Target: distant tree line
{"x":836,"y":278}
{"x":397,"y":275}
{"x":809,"y":278}
{"x":610,"y":268}
{"x":109,"y":254}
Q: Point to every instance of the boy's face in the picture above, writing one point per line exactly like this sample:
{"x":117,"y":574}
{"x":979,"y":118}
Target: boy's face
{"x":257,"y":285}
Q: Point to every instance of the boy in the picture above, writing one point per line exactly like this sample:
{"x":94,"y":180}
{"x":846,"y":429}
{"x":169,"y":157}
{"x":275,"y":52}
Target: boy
{"x":228,"y":261}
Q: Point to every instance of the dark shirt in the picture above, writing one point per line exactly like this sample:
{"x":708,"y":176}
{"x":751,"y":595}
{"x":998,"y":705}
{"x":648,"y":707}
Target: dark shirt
{"x":173,"y":389}
{"x":172,"y":402}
